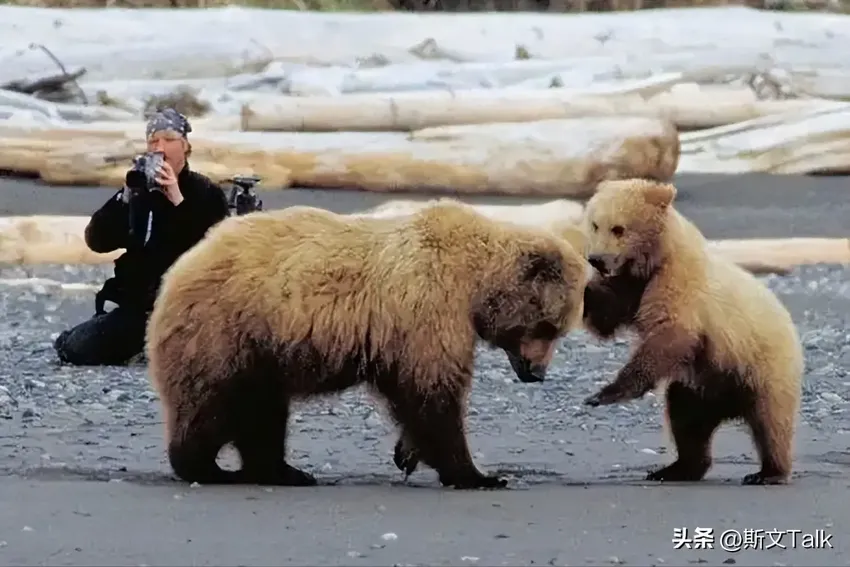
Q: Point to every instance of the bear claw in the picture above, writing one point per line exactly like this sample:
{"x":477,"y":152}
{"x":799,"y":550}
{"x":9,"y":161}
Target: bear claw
{"x":603,"y":398}
{"x":476,"y":482}
{"x":669,"y":474}
{"x":404,"y":458}
{"x":680,"y":471}
{"x":760,"y":478}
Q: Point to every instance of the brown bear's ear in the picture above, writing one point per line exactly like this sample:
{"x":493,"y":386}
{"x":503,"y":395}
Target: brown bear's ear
{"x":659,"y":194}
{"x":542,"y":266}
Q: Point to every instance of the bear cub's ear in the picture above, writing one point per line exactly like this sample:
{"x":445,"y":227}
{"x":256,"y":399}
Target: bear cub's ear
{"x":541,"y":266}
{"x":659,"y":194}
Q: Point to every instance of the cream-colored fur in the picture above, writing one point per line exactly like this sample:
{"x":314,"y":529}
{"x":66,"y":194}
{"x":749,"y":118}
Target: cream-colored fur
{"x":696,"y":299}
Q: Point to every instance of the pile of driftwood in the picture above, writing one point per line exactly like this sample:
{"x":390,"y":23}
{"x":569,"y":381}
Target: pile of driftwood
{"x":59,"y":87}
{"x":521,"y":104}
{"x":564,"y":158}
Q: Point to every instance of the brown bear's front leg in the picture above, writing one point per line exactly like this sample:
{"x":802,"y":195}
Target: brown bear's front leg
{"x":261,"y":421}
{"x":261,"y":443}
{"x":660,"y":355}
{"x":433,"y":421}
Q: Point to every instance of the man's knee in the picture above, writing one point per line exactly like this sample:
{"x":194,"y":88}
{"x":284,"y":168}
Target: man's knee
{"x":79,"y":345}
{"x":60,"y":345}
{"x":107,"y":339}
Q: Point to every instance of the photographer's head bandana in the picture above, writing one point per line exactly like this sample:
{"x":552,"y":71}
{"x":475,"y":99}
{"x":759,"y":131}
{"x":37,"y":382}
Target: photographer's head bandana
{"x":168,"y":119}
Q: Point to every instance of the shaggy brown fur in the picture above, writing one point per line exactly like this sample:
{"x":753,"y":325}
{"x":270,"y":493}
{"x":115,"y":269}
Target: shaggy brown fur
{"x":300,"y":302}
{"x":723,"y":342}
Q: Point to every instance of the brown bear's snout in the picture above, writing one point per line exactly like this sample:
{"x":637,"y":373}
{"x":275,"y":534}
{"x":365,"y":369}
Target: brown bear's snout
{"x":525,"y":370}
{"x":531,"y":363}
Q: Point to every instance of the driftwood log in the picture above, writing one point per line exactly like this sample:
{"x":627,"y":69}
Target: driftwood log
{"x":689,"y":108}
{"x":560,"y":158}
{"x":27,"y":240}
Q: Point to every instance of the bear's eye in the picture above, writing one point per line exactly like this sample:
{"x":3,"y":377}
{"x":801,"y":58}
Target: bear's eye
{"x":617,"y":230}
{"x":594,"y":226}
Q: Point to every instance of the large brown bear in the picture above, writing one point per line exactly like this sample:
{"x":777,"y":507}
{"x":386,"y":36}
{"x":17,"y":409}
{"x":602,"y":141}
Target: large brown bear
{"x":561,"y":217}
{"x":301,"y":302}
{"x":723,"y":342}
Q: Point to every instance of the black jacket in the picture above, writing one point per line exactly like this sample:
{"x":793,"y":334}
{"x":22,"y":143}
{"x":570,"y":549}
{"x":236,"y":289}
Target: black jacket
{"x":149,"y":253}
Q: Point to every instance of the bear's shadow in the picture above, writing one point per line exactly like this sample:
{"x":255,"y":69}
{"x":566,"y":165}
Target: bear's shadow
{"x":518,"y":478}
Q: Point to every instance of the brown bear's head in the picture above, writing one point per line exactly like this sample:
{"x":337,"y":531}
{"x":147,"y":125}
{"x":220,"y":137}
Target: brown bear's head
{"x":624,"y":222}
{"x":527,"y":307}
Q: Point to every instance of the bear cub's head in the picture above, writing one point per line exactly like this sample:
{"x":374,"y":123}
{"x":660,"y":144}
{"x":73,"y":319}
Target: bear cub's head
{"x":526,"y":308}
{"x":624,"y":222}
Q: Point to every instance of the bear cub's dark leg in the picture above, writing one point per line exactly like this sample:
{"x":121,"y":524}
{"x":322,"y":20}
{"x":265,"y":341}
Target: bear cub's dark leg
{"x":693,"y":421}
{"x":433,"y":431}
{"x":772,"y":438}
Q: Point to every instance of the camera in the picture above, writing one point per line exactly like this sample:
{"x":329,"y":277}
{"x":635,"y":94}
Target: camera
{"x":142,"y":176}
{"x":242,"y":198}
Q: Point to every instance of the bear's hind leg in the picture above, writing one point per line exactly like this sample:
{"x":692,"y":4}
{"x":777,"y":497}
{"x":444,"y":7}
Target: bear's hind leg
{"x":693,"y":421}
{"x":772,"y":428}
{"x":261,"y":441}
{"x":433,"y":420}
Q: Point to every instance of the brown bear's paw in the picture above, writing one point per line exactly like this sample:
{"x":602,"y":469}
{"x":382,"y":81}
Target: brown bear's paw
{"x":762,"y":478}
{"x":679,"y":472}
{"x":406,"y":458}
{"x":467,"y":482}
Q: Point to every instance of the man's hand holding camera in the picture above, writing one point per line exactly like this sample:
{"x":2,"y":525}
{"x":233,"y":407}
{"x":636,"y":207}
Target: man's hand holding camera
{"x":167,"y":181}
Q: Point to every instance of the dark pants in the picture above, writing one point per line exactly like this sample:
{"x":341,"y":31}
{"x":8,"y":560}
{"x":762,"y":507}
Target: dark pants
{"x":107,"y":339}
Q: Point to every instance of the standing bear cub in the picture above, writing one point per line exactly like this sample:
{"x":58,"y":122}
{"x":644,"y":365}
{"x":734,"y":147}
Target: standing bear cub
{"x":301,"y":302}
{"x":724,"y":344}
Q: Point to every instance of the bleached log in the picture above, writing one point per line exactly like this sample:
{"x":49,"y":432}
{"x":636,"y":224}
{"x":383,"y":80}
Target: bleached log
{"x":61,"y":110}
{"x":634,"y":41}
{"x":555,"y":157}
{"x":797,"y":142}
{"x":780,"y":254}
{"x":580,"y":72}
{"x":688,"y":106}
{"x":45,"y":239}
{"x":403,"y":112}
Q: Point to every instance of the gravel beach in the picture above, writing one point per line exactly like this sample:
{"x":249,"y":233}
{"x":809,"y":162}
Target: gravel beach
{"x":85,"y":480}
